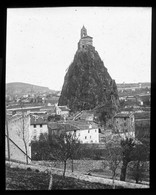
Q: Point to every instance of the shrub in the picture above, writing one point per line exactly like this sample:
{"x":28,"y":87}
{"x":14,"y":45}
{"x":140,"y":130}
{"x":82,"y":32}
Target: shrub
{"x":137,"y":170}
{"x":29,"y":169}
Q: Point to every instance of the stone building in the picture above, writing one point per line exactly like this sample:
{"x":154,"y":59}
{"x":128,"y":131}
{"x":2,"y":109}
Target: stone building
{"x":85,"y":132}
{"x":142,"y":125}
{"x":124,"y":124}
{"x":38,"y":126}
{"x":85,"y":39}
{"x":62,"y":110}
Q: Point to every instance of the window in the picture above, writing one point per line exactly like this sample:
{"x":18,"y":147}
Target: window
{"x":34,"y":126}
{"x":85,"y":137}
{"x":90,"y":137}
{"x":125,"y":124}
{"x":95,"y":130}
{"x":40,"y":125}
{"x":124,"y":118}
{"x":88,"y":131}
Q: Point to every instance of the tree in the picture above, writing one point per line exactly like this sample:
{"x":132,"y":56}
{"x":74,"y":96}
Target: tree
{"x":140,"y":156}
{"x":141,"y":152}
{"x":54,"y":118}
{"x":138,"y":170}
{"x":22,"y":132}
{"x":41,"y":151}
{"x":75,"y":149}
{"x":106,"y":112}
{"x":61,"y":148}
{"x":127,"y":146}
{"x":40,"y":148}
{"x":112,"y":158}
{"x":122,"y":103}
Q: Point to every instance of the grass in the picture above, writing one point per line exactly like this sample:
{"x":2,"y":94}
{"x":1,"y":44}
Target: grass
{"x":20,"y":179}
{"x":94,"y":167}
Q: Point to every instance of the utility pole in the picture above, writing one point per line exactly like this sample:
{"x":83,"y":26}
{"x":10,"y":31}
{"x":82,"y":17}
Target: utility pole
{"x":8,"y":143}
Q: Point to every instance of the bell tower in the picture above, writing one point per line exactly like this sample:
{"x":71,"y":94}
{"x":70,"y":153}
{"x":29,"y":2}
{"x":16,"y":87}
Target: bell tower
{"x":83,"y":32}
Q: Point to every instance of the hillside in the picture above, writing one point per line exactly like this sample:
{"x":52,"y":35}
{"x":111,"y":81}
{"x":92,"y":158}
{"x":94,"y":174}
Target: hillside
{"x":18,"y":88}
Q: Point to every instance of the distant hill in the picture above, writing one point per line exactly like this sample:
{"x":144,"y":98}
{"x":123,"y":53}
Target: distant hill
{"x":133,"y":85}
{"x":18,"y":88}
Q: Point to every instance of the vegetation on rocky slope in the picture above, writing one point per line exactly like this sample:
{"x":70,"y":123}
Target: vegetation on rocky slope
{"x":87,"y":83}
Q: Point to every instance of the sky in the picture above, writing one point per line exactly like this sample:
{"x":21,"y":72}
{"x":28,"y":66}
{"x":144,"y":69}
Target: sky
{"x":41,"y":42}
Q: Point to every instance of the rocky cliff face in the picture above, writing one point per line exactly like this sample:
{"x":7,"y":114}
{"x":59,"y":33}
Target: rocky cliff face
{"x":87,"y":83}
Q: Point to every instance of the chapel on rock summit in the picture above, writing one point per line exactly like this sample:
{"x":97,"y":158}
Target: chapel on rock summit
{"x":85,"y":40}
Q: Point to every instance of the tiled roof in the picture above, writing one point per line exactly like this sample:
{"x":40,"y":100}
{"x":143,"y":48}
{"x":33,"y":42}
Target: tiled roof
{"x":122,"y":115}
{"x":64,"y":108}
{"x":61,"y":126}
{"x":144,"y":95}
{"x":142,"y":115}
{"x":71,"y":125}
{"x":38,"y":119}
{"x":15,"y":117}
{"x":83,"y":125}
{"x":131,"y":96}
{"x":25,"y":108}
{"x":49,"y":108}
{"x":38,"y":112}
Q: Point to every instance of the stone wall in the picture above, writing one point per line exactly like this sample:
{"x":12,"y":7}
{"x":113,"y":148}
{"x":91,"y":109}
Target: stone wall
{"x":85,"y":41}
{"x":79,"y":165}
{"x":15,"y":129}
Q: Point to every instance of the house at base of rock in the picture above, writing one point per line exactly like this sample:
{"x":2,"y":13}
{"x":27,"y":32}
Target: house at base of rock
{"x":62,"y":110}
{"x":124,"y":124}
{"x":85,"y":132}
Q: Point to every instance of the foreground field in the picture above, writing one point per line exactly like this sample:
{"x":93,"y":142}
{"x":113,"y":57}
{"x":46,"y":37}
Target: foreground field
{"x":20,"y":179}
{"x":94,"y":167}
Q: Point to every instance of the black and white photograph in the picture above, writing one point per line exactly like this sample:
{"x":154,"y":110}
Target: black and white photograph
{"x":78,"y":98}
